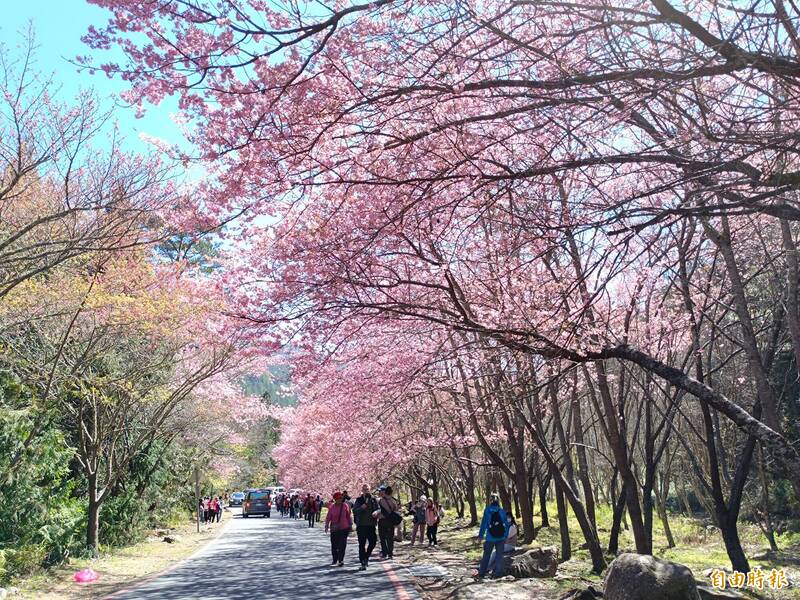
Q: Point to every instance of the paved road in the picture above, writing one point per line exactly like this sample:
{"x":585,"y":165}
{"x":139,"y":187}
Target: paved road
{"x":275,"y":559}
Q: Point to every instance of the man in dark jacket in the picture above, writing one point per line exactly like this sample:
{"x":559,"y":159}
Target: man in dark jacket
{"x":363,"y":509}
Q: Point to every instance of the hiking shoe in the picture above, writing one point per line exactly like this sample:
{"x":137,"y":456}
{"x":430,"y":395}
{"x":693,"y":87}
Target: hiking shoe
{"x":341,"y":564}
{"x":362,"y":568}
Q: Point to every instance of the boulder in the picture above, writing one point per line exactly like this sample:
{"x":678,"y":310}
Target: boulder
{"x":539,"y":562}
{"x":643,"y":577}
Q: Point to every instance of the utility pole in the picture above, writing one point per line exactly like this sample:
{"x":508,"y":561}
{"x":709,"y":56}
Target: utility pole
{"x":197,"y":495}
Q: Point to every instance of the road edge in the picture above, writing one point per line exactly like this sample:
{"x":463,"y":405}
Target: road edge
{"x":140,"y":582}
{"x":401,"y":586}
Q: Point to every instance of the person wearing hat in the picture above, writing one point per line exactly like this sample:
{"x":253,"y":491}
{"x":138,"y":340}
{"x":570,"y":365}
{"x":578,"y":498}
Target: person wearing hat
{"x":494,"y":526}
{"x":339,"y":521}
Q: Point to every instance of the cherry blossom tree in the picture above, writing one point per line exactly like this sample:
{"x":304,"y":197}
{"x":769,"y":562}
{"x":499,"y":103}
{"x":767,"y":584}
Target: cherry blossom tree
{"x":596,"y":187}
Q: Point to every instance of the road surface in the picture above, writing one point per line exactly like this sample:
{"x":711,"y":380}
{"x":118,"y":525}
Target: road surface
{"x":274,"y":559}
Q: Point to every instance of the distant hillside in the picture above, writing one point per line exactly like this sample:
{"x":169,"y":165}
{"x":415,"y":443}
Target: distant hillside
{"x":274,"y":385}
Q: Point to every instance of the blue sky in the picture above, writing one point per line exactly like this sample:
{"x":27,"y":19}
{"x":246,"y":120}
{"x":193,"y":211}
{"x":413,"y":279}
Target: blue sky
{"x":59,"y":25}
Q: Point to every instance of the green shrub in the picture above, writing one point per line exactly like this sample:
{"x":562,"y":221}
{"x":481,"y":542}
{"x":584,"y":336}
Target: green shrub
{"x":24,"y":560}
{"x":45,"y":516}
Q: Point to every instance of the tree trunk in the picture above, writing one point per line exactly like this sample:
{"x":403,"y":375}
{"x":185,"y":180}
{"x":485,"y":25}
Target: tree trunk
{"x":543,"y":485}
{"x":661,"y":506}
{"x":505,"y":497}
{"x":469,"y":488}
{"x":471,"y":502}
{"x":526,"y":513}
{"x":733,"y":545}
{"x":616,"y":524}
{"x":583,"y":462}
{"x":588,"y":530}
{"x":769,"y":532}
{"x":515,"y":497}
{"x":93,"y":516}
{"x":563,"y":525}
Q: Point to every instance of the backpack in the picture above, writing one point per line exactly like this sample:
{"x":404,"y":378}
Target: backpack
{"x":395,"y":518}
{"x":497,"y":529}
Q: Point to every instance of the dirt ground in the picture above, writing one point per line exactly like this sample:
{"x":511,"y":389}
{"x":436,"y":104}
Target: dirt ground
{"x":459,"y":583}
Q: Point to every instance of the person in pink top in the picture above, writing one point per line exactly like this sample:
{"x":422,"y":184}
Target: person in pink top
{"x":339,"y":521}
{"x":432,"y":521}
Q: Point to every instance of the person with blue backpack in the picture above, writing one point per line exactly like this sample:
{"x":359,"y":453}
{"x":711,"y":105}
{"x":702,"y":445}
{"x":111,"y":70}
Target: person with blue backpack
{"x":494,"y":526}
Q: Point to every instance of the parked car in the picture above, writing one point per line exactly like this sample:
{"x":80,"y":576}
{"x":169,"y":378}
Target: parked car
{"x":237,"y":498}
{"x":257,"y":502}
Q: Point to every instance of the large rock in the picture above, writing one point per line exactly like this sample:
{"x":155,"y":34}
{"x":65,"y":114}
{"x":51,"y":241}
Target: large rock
{"x":539,"y":562}
{"x":642,"y":577}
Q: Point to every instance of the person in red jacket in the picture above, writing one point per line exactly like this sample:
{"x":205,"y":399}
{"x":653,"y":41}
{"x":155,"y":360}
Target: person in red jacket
{"x":339,"y":521}
{"x":310,"y":509}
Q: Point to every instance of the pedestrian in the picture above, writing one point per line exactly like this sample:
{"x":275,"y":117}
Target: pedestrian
{"x":319,"y":507}
{"x":206,"y":510}
{"x":217,"y":509}
{"x":494,"y":526}
{"x":432,"y":519}
{"x":201,"y":514}
{"x":510,"y":543}
{"x":388,"y":518}
{"x":310,"y":506}
{"x":292,"y":502}
{"x":364,"y":510}
{"x":339,"y":521}
{"x":419,"y":520}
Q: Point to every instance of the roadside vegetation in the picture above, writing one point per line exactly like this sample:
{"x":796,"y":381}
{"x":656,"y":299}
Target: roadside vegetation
{"x":119,"y":369}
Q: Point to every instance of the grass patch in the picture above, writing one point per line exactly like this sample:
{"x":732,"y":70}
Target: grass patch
{"x":698,"y":545}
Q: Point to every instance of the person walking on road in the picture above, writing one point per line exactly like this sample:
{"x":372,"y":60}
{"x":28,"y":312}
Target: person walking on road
{"x":310,"y":506}
{"x":510,"y":543}
{"x":432,"y":522}
{"x":494,"y":526}
{"x":388,"y":518}
{"x":419,"y":520}
{"x":217,"y":504}
{"x":339,"y":521}
{"x":363,"y":512}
